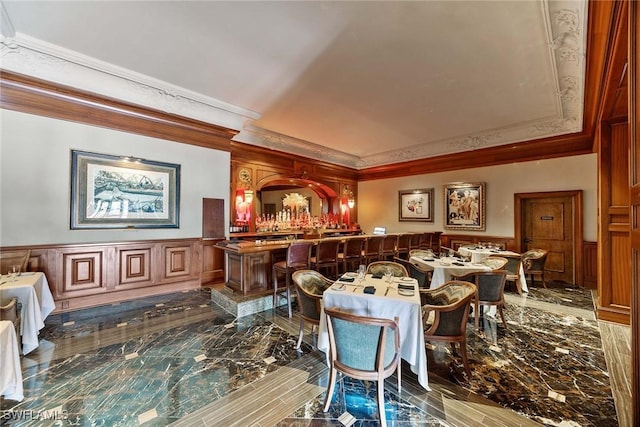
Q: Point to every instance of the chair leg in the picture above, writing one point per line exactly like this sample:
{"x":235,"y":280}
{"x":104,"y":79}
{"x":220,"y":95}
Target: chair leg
{"x":301,"y":334}
{"x":465,"y":361}
{"x":330,"y":388}
{"x":477,"y":314}
{"x":381,"y":414}
{"x":519,"y":285}
{"x":544,"y":284}
{"x":288,"y":295}
{"x":502,"y":315}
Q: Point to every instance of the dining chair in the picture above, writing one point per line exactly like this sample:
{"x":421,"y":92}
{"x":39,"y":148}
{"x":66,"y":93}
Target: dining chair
{"x":450,"y":305}
{"x":351,"y":255}
{"x":403,"y":246}
{"x":533,"y":262}
{"x":364,"y":348}
{"x":326,"y":256}
{"x":490,"y":286}
{"x":388,"y":249}
{"x":11,"y":312}
{"x":422,"y":275}
{"x":421,"y":253}
{"x":378,"y":268}
{"x":310,"y":285}
{"x":495,"y":262}
{"x":372,"y":248}
{"x":298,"y":258}
{"x":512,"y":267}
{"x":11,"y":258}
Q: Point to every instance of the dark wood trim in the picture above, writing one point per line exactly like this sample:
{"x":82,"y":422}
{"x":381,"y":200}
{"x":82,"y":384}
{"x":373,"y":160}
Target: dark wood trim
{"x":578,"y":238}
{"x":590,"y":274}
{"x":34,"y":96}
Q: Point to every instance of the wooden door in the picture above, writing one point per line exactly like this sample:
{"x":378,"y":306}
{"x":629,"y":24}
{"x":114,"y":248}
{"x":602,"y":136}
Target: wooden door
{"x":553,"y":221}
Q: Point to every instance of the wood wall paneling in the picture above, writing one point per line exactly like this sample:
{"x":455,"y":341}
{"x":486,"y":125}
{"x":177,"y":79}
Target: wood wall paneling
{"x":590,"y":265}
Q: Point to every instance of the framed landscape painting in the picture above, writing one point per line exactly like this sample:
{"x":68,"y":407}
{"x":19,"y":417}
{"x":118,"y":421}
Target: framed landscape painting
{"x":416,"y":205}
{"x":123,"y":192}
{"x":464,"y":206}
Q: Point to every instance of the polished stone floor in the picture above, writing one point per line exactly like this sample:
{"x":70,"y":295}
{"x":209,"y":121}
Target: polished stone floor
{"x":180,"y":358}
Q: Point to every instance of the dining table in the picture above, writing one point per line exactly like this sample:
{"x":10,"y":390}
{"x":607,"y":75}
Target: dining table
{"x":477,"y":254}
{"x":445,"y":268}
{"x":11,"y":387}
{"x":33,"y":293}
{"x":397,"y":298}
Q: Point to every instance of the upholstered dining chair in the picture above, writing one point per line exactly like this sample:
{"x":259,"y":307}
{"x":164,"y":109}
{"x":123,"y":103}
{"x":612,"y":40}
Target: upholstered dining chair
{"x":326,"y":256}
{"x":378,"y":268}
{"x":422,"y":275}
{"x":512,"y":267}
{"x":450,"y":305}
{"x":490,"y":286}
{"x":310,"y":285}
{"x":372,"y":248}
{"x":533,"y":262}
{"x":495,"y":262}
{"x":298,"y":258}
{"x":351,"y":255}
{"x":11,"y":312}
{"x":364,"y":348}
{"x":421,"y":253}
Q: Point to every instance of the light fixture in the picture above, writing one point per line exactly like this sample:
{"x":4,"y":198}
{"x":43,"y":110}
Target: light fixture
{"x":131,"y":159}
{"x":348,"y":194}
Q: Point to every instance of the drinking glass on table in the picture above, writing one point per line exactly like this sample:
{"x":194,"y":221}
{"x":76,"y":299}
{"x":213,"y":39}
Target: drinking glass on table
{"x":387,"y":275}
{"x":362,"y":270}
{"x":14,"y":272}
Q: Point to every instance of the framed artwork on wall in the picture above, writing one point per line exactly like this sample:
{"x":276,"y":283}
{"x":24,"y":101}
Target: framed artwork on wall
{"x":464,"y":206}
{"x":123,"y":192}
{"x":415,"y":205}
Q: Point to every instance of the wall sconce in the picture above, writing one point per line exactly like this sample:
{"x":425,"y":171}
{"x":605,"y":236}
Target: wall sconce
{"x":351,"y":201}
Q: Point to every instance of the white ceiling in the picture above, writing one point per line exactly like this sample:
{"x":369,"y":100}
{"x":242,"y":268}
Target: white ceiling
{"x":354,"y":83}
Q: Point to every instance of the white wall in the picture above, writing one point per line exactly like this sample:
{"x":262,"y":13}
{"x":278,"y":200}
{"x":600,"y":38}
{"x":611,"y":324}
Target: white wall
{"x":35,"y":169}
{"x":378,"y":200}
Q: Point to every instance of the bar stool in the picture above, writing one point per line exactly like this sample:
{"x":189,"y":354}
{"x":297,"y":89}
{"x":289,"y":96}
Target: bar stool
{"x":372,"y":248}
{"x":327,"y":256}
{"x":298,"y":258}
{"x":388,"y":249}
{"x":352,"y":253}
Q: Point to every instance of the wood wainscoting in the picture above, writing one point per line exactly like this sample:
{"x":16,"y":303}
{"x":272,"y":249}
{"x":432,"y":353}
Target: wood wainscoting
{"x":454,"y":241}
{"x":87,"y":275}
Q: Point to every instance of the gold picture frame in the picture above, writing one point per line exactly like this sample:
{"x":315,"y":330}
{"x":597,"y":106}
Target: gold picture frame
{"x":464,"y":206}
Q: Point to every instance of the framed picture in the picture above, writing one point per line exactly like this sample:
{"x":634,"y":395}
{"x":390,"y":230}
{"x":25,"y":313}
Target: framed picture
{"x":123,"y":192}
{"x":416,"y":205}
{"x":464,"y":206}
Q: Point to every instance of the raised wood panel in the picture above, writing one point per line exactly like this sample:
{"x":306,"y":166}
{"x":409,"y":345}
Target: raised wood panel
{"x":82,"y":273}
{"x":135,"y":266}
{"x":556,"y":262}
{"x":177,"y":261}
{"x":619,"y":160}
{"x":212,"y":262}
{"x":620,"y":295}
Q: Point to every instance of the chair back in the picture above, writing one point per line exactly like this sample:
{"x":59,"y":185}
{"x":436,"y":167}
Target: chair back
{"x":491,"y":286}
{"x":299,"y":254}
{"x":310,"y":286}
{"x":363,"y":347}
{"x":416,"y":239}
{"x":404,"y":243}
{"x":11,"y":258}
{"x":380,"y":267}
{"x":421,"y":275}
{"x":372,"y":247}
{"x":421,"y":253}
{"x":495,"y":262}
{"x":450,"y":302}
{"x":354,"y":246}
{"x":389,"y":245}
{"x":512,"y":267}
{"x":534,"y":260}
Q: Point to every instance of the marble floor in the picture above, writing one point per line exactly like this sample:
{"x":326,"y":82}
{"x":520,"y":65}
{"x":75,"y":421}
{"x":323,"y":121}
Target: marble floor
{"x":181,"y":359}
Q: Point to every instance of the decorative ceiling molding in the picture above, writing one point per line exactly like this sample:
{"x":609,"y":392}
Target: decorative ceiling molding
{"x":565,"y":23}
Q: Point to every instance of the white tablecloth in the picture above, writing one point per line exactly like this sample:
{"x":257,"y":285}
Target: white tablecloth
{"x":10,"y":373}
{"x":444,"y":267}
{"x":406,"y":308}
{"x":478,"y":255}
{"x":32,"y":291}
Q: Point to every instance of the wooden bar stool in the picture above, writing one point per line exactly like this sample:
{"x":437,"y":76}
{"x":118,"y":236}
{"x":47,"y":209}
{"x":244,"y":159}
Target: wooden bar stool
{"x":298,"y":258}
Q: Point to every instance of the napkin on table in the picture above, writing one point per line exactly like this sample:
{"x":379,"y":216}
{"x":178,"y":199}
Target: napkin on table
{"x":347,"y":279}
{"x":369,"y":290}
{"x":406,"y":287}
{"x":377,"y":276}
{"x":458,"y":264}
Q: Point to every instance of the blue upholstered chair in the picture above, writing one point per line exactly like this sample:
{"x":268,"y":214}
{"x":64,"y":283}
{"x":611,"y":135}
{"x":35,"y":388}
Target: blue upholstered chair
{"x":310,"y":285}
{"x":364,"y":348}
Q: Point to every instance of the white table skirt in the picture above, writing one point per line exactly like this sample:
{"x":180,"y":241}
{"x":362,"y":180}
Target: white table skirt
{"x":10,"y":373}
{"x":32,"y":291}
{"x":406,"y":308}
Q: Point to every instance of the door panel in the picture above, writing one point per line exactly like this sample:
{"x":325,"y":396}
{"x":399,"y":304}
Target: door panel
{"x":548,"y":224}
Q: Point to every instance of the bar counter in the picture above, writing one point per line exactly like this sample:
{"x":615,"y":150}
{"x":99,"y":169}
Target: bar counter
{"x":248,"y":262}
